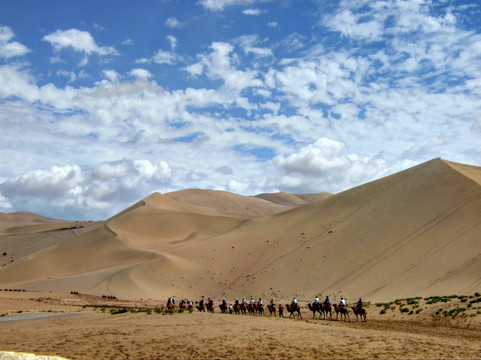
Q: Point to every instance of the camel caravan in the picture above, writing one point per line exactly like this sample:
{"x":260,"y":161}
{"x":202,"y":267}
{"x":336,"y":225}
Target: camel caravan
{"x":324,"y":310}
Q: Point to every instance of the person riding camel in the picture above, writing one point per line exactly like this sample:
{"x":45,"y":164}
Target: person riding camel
{"x":359,"y":304}
{"x":224,"y":302}
{"x":294,"y":303}
{"x":316,"y":301}
{"x":273,"y":301}
{"x":244,"y":301}
{"x":342,"y":302}
{"x":252,"y":302}
{"x":236,"y":302}
{"x":327,"y":301}
{"x":259,"y":303}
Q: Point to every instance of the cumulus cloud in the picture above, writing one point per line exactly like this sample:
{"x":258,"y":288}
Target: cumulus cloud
{"x":323,"y":164}
{"x":173,"y":41}
{"x":248,"y":44}
{"x":161,"y":57}
{"x":140,"y":73}
{"x":10,"y":49}
{"x":219,"y":5}
{"x":54,"y":182}
{"x":80,"y":41}
{"x":253,"y":12}
{"x":108,"y":184}
{"x":173,"y":22}
{"x":219,"y":65}
{"x":4,"y":203}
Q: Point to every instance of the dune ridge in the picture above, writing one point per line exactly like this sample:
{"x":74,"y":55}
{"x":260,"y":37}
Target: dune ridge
{"x":414,"y":233}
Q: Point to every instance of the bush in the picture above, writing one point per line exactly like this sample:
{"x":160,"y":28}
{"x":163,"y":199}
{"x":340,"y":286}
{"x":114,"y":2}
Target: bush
{"x":118,"y":311}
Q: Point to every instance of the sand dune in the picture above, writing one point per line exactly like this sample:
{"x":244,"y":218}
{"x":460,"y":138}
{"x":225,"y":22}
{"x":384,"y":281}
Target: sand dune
{"x":414,"y":233}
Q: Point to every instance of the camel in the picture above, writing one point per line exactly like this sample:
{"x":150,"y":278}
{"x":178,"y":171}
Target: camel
{"x":359,"y":312}
{"x":272,"y":309}
{"x":223,"y":308}
{"x":315,"y":308}
{"x":260,"y":310}
{"x":343,"y":311}
{"x":326,"y":308}
{"x":243,"y":309}
{"x":294,"y":308}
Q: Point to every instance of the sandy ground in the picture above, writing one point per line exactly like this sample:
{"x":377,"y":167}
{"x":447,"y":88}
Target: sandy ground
{"x":93,"y":334}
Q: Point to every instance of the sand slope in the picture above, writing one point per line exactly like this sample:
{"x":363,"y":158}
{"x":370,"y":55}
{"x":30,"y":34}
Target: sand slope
{"x":414,"y":233}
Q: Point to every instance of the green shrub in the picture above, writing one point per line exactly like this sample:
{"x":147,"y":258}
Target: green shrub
{"x":118,"y":311}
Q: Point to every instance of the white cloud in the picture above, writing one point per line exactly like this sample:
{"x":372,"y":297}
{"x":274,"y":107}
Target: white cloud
{"x":219,"y":5}
{"x":128,"y":42}
{"x":323,"y":165}
{"x":253,"y":12}
{"x":140,"y":73}
{"x":161,"y":57}
{"x":78,"y":40}
{"x":4,"y":203}
{"x":173,"y":42}
{"x":54,"y":182}
{"x":351,"y":25}
{"x":10,"y":49}
{"x":112,"y":75}
{"x":218,"y":65}
{"x":108,"y":184}
{"x":248,"y":44}
{"x":172,"y":22}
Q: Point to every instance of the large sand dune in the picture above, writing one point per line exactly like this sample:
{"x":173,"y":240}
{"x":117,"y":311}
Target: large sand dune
{"x":414,"y":233}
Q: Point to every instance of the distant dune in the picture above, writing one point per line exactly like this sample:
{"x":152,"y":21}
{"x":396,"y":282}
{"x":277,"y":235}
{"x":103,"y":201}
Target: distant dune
{"x":414,"y":233}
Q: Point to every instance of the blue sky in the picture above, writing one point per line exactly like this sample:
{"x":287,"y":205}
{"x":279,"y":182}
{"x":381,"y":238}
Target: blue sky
{"x":104,"y":102}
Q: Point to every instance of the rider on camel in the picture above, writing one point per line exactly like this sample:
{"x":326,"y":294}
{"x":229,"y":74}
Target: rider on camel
{"x":359,"y":304}
{"x":259,"y":302}
{"x":244,"y":301}
{"x":342,"y":302}
{"x":236,"y":302}
{"x":273,"y":301}
{"x":294,"y":303}
{"x":252,"y":302}
{"x":316,"y":300}
{"x":326,"y":301}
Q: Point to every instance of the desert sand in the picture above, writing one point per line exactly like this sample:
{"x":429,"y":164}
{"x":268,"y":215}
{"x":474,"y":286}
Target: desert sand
{"x":79,"y":332}
{"x":414,"y":234}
